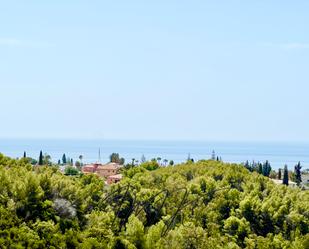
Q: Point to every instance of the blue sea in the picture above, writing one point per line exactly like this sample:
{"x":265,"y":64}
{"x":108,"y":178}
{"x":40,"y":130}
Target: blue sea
{"x":278,"y":154}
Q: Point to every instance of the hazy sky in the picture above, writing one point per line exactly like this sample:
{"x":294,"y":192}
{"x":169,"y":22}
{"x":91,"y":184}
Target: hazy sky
{"x":207,"y":70}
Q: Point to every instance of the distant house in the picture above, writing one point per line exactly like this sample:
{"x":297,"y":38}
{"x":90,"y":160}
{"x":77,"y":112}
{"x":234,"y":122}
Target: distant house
{"x":90,"y":168}
{"x":114,"y":179}
{"x":104,"y":170}
{"x":107,"y":170}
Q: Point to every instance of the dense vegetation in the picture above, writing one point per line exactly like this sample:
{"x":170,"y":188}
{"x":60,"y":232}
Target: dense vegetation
{"x":207,"y":204}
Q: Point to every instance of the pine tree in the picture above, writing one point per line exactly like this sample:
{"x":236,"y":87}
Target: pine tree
{"x":297,"y":171}
{"x":285,"y":175}
{"x":41,"y":158}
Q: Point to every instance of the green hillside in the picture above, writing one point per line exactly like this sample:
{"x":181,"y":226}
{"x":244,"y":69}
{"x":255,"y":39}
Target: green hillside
{"x":206,"y":204}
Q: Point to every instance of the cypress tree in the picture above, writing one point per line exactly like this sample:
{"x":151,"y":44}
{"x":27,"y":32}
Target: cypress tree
{"x":279,"y":174}
{"x":64,"y":159}
{"x":260,"y":168}
{"x":25,"y":155}
{"x":41,"y":158}
{"x":297,"y":172}
{"x":285,"y":180}
{"x":266,"y":168}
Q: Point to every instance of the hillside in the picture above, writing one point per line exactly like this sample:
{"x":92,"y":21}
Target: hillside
{"x":206,"y":204}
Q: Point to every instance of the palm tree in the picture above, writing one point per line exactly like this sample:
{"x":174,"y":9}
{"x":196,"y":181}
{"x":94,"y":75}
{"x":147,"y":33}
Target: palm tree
{"x":159,"y":160}
{"x":165,"y":162}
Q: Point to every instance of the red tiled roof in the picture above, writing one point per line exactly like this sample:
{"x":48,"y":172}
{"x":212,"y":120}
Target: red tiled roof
{"x":118,"y":176}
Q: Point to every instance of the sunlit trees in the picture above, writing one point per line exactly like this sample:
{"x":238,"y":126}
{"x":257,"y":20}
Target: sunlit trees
{"x":70,"y":170}
{"x":151,"y":165}
{"x":207,"y":204}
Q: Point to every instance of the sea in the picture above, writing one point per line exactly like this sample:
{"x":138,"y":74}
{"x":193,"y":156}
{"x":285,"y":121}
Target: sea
{"x":277,"y":153}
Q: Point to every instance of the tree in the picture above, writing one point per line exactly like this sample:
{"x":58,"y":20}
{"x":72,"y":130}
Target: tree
{"x":81,"y":160}
{"x":115,"y":158}
{"x":25,"y":155}
{"x":41,"y":158}
{"x":46,"y":159}
{"x":121,"y":161}
{"x":248,"y":166}
{"x":266,"y":168}
{"x":159,"y":160}
{"x":143,"y":159}
{"x":297,"y":171}
{"x":260,"y":168}
{"x":64,"y":159}
{"x":70,"y":170}
{"x":165,"y":161}
{"x":171,"y":163}
{"x":152,"y":165}
{"x":279,"y":174}
{"x":285,"y":180}
{"x":59,"y":162}
{"x":72,"y":161}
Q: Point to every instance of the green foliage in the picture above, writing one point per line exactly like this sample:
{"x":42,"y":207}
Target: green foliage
{"x":71,"y":171}
{"x":207,"y":204}
{"x":115,"y":158}
{"x":150,"y":165}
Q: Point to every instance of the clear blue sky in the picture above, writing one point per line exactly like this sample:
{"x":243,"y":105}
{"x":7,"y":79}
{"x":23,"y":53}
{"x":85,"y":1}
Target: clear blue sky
{"x":205,"y":70}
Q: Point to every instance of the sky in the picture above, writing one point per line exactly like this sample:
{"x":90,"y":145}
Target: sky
{"x":231,"y":70}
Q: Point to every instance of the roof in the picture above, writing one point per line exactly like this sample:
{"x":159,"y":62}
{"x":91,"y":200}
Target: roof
{"x":109,"y":166}
{"x":118,"y":176}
